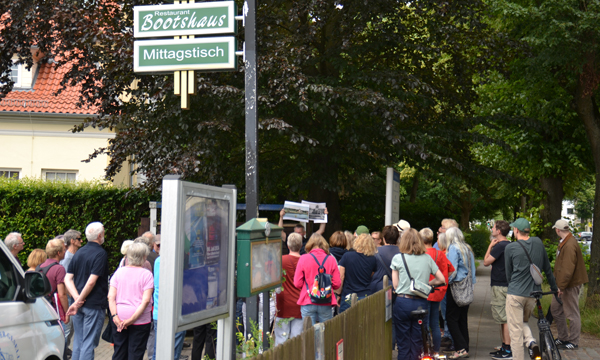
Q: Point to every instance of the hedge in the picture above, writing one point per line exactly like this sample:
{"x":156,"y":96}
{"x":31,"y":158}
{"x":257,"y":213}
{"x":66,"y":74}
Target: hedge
{"x":40,"y":210}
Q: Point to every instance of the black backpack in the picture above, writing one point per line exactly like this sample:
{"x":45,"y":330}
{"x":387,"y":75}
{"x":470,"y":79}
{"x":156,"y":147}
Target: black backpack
{"x":44,"y":270}
{"x":320,"y":291}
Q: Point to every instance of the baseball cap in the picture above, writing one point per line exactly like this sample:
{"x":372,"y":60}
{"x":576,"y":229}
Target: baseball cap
{"x":561,"y":225}
{"x":362,"y":230}
{"x":521,"y":223}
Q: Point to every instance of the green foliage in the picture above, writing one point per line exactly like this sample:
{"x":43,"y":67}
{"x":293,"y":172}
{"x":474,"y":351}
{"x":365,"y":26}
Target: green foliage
{"x":479,"y":239}
{"x":40,"y":210}
{"x":535,"y":220}
{"x":252,"y":346}
{"x":423,"y":214}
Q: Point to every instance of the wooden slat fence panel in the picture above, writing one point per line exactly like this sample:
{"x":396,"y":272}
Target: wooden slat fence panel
{"x":363,"y":328}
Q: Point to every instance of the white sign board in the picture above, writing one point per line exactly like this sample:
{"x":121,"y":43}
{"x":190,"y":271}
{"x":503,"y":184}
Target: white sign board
{"x":197,"y":262}
{"x":392,"y":197}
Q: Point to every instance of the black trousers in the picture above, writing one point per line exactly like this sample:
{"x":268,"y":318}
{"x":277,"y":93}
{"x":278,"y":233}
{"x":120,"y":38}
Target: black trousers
{"x":130,"y":344}
{"x":204,"y":337}
{"x":457,"y":319}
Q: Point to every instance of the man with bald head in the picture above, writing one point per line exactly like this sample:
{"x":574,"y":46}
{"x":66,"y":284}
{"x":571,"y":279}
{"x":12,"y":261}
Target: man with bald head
{"x":55,"y":250}
{"x":149,"y":236}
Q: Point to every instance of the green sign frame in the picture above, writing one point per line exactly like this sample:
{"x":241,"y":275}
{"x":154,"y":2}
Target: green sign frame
{"x":205,"y":18}
{"x":202,"y":54}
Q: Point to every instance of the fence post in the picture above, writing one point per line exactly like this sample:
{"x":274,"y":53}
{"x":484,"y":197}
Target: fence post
{"x":306,"y":325}
{"x":354,"y":299}
{"x":385,"y":281}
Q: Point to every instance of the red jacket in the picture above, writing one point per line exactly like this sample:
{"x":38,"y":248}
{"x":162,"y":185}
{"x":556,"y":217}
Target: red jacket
{"x":306,"y":271}
{"x":445,"y":267}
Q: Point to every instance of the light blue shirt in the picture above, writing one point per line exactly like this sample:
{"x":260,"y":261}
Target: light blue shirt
{"x":456,"y":259}
{"x":155,"y":295}
{"x":67,"y":260}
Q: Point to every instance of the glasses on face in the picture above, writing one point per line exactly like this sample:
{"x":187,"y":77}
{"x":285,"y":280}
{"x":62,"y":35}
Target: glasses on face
{"x":157,"y":245}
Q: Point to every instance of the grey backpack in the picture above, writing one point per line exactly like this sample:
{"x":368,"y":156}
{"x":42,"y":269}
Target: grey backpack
{"x":535,"y":271}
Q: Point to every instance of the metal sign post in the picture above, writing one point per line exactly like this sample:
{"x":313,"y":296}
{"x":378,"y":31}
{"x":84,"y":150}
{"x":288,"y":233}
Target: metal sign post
{"x":392,"y":197}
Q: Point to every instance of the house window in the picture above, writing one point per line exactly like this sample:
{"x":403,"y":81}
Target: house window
{"x":570,"y":211}
{"x":15,"y":74}
{"x":11,"y":174}
{"x":60,"y":175}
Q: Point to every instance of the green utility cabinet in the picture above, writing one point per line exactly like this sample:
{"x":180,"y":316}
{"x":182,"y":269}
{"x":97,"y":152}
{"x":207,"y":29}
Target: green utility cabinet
{"x":258,"y":257}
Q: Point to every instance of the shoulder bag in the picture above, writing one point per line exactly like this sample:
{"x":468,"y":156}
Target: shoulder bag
{"x":535,"y":272}
{"x":417,"y":287}
{"x":462,"y":291}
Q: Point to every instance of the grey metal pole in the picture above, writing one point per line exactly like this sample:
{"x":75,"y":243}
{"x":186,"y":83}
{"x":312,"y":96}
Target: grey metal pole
{"x":250,"y":73}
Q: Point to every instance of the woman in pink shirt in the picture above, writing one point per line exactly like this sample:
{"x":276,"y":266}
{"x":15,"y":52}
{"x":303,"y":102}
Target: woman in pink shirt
{"x":307,"y":270}
{"x":129,"y":300}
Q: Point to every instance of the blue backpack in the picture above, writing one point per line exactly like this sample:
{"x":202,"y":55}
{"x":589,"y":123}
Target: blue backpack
{"x":320,"y":291}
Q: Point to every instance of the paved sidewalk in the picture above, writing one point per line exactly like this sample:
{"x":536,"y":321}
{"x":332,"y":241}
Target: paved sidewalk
{"x":484,"y":333}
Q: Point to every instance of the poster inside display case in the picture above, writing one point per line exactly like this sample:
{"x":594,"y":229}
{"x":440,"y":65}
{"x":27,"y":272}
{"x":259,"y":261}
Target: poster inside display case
{"x":265,"y":265}
{"x":206,"y":248}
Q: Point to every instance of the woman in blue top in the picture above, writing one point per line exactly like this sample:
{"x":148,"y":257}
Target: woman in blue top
{"x":461,"y":256}
{"x":420,"y":265}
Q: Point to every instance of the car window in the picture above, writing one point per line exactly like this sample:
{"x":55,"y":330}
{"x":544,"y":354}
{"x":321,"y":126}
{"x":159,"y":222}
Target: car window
{"x":8,"y":283}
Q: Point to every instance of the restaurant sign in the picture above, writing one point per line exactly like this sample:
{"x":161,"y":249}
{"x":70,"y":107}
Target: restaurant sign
{"x":214,"y":53}
{"x":206,"y":18}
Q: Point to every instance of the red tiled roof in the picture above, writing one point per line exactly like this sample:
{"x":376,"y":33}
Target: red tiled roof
{"x":41,"y":98}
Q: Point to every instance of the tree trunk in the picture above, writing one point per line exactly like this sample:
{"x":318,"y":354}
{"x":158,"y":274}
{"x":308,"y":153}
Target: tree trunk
{"x":588,"y":112}
{"x":553,"y":197}
{"x":415,"y":187}
{"x":523,"y":203}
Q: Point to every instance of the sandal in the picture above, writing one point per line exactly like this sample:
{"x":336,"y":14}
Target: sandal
{"x":459,"y":354}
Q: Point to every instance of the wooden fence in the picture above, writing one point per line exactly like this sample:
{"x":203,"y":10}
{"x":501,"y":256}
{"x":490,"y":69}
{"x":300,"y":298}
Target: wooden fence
{"x":363,"y":328}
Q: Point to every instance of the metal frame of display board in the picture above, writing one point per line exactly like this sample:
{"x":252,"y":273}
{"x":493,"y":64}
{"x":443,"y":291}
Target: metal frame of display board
{"x":170,"y":319}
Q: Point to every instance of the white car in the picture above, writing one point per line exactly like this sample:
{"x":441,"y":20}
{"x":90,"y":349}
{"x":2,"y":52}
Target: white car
{"x":29,"y":327}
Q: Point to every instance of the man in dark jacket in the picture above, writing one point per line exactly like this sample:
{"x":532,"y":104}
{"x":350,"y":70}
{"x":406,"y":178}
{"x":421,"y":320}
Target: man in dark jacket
{"x":570,"y":274}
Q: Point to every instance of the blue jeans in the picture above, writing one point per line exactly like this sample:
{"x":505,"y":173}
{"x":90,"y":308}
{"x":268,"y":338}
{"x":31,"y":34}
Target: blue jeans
{"x":178,"y":342}
{"x":443,"y":312}
{"x":434,"y":323}
{"x":318,"y":313}
{"x":345,"y":305}
{"x":87,"y":326}
{"x":408,"y":330}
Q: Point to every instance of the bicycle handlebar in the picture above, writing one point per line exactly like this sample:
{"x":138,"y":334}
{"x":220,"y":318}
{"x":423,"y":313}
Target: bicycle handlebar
{"x":539,"y":294}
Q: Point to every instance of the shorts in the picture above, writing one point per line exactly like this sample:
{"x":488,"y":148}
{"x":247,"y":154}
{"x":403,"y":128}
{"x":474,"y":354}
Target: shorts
{"x":499,"y":304}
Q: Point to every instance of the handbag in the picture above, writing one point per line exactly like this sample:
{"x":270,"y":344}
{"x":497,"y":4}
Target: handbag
{"x":535,"y":272}
{"x":462,"y":291}
{"x":417,"y":287}
{"x":108,"y":334}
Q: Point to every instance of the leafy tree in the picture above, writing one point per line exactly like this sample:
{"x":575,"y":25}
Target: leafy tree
{"x":566,"y":40}
{"x":345,"y":89}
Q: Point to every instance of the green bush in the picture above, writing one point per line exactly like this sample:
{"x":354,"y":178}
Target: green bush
{"x":479,"y":240}
{"x":40,"y":210}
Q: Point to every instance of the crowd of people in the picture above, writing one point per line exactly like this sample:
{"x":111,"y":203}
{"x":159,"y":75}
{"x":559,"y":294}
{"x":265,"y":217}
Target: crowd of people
{"x":357,"y":264}
{"x":84,"y":292}
{"x":320,"y":277}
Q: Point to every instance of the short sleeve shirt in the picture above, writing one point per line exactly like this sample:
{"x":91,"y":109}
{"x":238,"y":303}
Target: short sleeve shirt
{"x":131,"y":282}
{"x":387,"y":253}
{"x":91,"y":259}
{"x":420,"y":267}
{"x":498,"y":276}
{"x":358,"y":271}
{"x":56,"y":274}
{"x":287,"y":300}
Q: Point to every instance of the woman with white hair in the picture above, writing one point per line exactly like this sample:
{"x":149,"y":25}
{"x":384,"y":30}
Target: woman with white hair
{"x":461,"y":256}
{"x":129,"y":301}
